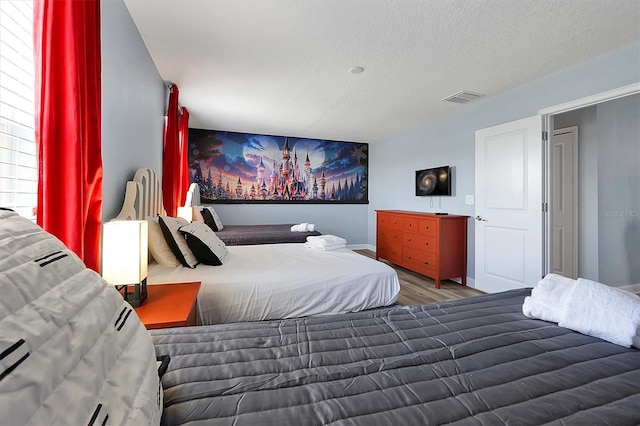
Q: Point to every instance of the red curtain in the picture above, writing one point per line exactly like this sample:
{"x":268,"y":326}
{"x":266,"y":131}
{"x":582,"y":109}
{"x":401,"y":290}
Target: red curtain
{"x":185,"y":177}
{"x":68,"y":123}
{"x":171,"y":161}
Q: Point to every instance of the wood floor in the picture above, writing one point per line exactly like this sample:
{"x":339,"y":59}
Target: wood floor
{"x":416,"y":289}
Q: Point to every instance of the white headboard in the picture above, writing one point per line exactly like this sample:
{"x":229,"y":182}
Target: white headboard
{"x":193,"y":196}
{"x":143,"y":197}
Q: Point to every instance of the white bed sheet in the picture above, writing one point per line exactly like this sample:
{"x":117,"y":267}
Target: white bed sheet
{"x":262,"y":282}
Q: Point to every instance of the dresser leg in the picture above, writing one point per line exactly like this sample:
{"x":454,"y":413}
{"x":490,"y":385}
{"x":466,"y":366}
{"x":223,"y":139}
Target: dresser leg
{"x":437,"y":282}
{"x":464,"y":280}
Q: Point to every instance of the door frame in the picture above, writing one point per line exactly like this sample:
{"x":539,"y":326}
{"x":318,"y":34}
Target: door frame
{"x":547,"y":126}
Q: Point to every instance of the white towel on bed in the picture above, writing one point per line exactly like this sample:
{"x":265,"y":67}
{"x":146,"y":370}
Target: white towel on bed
{"x":303,"y":227}
{"x":587,"y":307}
{"x":324,"y":241}
{"x":325,"y":248}
{"x":548,"y":299}
{"x":602,"y":311}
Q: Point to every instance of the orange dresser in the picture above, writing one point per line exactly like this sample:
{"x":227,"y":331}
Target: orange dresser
{"x":429,"y":244}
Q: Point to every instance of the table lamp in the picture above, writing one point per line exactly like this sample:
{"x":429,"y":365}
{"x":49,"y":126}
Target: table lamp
{"x":125,"y":258}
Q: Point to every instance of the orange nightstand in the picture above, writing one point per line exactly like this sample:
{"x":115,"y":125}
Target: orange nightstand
{"x":169,"y":305}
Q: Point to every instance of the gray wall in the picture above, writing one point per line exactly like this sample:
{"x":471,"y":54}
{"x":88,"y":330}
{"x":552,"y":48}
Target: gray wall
{"x":619,"y":191}
{"x":451,"y":139}
{"x":585,"y":119}
{"x":346,"y":221}
{"x":608,"y":189}
{"x":133,"y":102}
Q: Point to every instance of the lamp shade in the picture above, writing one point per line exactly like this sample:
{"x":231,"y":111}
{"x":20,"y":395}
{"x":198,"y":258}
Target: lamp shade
{"x":125,"y":251}
{"x":186,"y":213}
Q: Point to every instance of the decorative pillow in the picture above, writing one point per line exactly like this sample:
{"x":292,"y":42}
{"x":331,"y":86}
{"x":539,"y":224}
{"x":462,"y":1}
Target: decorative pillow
{"x":207,"y":218}
{"x":158,"y":246}
{"x":205,"y":244}
{"x":216,"y":218}
{"x":170,"y":229}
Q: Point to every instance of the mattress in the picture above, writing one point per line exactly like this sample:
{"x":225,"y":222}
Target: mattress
{"x":262,"y":282}
{"x":473,"y":361}
{"x":239,"y":235}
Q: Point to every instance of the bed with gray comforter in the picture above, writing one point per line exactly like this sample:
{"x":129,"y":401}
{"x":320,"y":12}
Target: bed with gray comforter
{"x":243,"y":235}
{"x":473,"y":361}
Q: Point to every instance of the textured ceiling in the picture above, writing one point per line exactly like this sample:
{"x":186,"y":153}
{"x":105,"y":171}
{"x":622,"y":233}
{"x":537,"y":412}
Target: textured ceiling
{"x":282,"y":67}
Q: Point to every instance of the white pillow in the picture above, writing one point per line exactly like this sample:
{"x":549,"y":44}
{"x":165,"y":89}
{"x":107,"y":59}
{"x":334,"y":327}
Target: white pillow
{"x":216,"y":218}
{"x":204,"y":243}
{"x":158,"y":246}
{"x":171,"y":230}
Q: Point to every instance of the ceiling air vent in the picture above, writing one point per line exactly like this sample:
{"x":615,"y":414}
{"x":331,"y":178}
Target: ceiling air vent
{"x":462,"y":97}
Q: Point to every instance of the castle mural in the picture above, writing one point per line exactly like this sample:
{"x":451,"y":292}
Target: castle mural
{"x":234,"y":167}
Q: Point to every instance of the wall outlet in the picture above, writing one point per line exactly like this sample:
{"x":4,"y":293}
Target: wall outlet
{"x":469,"y":199}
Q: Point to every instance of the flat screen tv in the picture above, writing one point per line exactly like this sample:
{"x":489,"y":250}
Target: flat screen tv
{"x":434,"y":181}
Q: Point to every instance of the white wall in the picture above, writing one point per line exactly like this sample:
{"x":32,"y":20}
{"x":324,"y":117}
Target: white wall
{"x":133,"y":102}
{"x":451,"y":139}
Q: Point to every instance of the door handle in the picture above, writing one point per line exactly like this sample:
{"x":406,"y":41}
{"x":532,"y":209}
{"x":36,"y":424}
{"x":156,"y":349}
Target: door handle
{"x":480,"y":219}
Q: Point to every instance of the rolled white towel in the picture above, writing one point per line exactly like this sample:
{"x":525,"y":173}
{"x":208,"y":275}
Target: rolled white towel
{"x":311,"y":227}
{"x":549,"y":298}
{"x":325,"y":248}
{"x":605,"y":312}
{"x":537,"y":309}
{"x":325,"y":240}
{"x":302,"y":227}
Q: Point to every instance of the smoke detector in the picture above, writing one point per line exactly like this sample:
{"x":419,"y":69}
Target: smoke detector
{"x":462,"y":97}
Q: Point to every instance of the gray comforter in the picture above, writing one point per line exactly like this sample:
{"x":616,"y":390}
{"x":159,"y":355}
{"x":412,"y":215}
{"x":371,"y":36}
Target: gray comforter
{"x":243,"y":235}
{"x":474,"y":361}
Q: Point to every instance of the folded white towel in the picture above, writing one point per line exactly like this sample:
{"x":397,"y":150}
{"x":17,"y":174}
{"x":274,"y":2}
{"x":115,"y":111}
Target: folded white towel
{"x":602,"y":311}
{"x":549,"y":298}
{"x":303,"y":227}
{"x":325,"y":240}
{"x":325,"y":248}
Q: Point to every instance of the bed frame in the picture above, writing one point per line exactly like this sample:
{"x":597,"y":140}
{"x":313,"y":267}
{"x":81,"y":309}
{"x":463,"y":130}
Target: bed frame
{"x":143,"y":197}
{"x":193,"y":196}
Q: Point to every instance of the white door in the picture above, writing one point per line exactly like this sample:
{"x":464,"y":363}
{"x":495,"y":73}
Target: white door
{"x":564,"y":192}
{"x":509,"y":184}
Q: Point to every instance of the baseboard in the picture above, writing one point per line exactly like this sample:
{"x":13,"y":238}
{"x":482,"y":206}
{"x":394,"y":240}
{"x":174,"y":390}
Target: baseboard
{"x":633,"y":288}
{"x":361,"y":247}
{"x":470,"y":281}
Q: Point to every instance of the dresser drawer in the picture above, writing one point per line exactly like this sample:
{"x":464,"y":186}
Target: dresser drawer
{"x":389,"y":221}
{"x":428,"y":226}
{"x":419,"y":261}
{"x":389,"y":234}
{"x":389,"y":251}
{"x":410,"y":224}
{"x":422,"y":242}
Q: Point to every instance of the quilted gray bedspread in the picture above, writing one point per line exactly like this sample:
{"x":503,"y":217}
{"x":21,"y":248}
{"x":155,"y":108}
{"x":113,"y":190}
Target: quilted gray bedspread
{"x":242,"y":235}
{"x":476,"y":361}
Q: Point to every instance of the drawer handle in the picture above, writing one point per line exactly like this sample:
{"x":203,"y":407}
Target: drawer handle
{"x":426,"y":244}
{"x":409,"y":239}
{"x":426,"y":263}
{"x":394,"y":252}
{"x":426,"y":227}
{"x":410,"y":224}
{"x":408,"y":257}
{"x":394,"y":222}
